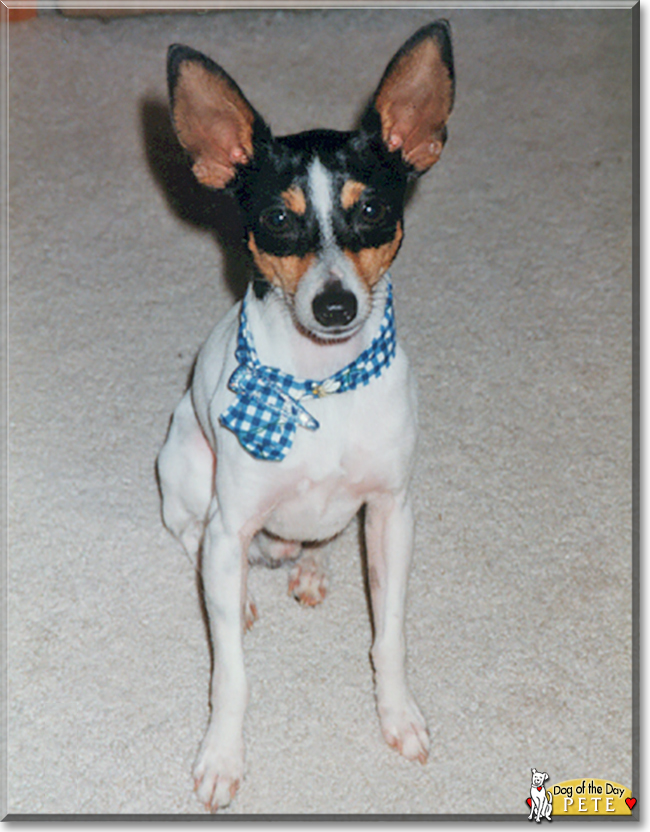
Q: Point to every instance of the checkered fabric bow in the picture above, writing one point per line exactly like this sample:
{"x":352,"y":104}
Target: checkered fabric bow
{"x":268,"y":409}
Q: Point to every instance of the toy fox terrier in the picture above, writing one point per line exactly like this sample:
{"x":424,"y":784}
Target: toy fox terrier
{"x":301,"y":408}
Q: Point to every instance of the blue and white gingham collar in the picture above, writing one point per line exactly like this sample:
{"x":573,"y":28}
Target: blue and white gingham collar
{"x":268,"y":409}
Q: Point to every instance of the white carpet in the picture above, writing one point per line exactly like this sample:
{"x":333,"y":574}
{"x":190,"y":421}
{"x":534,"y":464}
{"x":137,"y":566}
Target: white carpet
{"x":513,"y":296}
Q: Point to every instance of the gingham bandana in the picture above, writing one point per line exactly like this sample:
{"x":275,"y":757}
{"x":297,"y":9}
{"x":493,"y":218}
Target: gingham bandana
{"x":268,"y":409}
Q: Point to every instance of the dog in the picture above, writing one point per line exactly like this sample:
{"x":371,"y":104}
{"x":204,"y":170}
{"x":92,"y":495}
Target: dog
{"x":540,"y":804}
{"x":301,"y":409}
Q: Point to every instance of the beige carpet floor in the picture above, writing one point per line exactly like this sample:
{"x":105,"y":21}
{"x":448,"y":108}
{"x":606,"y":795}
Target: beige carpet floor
{"x":513,"y":297}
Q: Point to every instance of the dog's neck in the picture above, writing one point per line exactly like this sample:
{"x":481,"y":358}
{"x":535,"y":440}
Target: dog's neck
{"x":280,"y":343}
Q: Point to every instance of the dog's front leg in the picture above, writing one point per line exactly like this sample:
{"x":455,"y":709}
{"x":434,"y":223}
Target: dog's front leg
{"x":219,"y":766}
{"x":389,"y":542}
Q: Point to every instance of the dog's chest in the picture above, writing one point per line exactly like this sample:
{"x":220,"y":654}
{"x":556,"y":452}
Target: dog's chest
{"x":318,"y":500}
{"x":334,"y":471}
{"x":316,"y":510}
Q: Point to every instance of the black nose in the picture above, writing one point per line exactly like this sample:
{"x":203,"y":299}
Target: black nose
{"x":335,"y":306}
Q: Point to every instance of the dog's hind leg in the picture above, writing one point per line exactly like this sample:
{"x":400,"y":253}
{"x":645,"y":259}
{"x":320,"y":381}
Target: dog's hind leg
{"x":272,"y":552}
{"x":186,"y":467}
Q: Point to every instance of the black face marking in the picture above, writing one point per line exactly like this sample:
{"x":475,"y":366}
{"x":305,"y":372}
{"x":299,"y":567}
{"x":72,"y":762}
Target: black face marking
{"x":373,"y":212}
{"x":370,"y":223}
{"x":280,"y":222}
{"x":259,"y":187}
{"x":279,"y":165}
{"x":261,"y":288}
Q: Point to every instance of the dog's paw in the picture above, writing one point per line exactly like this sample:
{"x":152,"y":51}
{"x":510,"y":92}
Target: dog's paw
{"x":217,"y":774}
{"x":250,"y":613}
{"x":405,"y":730}
{"x":308,"y":582}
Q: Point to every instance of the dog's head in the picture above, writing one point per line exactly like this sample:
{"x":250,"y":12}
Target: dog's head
{"x":323,"y":209}
{"x":538,"y":777}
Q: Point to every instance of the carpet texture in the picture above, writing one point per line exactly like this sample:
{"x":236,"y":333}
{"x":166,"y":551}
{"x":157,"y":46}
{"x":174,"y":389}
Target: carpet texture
{"x":513,"y":300}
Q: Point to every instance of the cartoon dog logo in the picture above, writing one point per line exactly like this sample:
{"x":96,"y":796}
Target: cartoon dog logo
{"x":540,"y":800}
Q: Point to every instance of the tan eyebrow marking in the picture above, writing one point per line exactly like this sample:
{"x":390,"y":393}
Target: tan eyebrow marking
{"x":294,"y":199}
{"x":351,"y":192}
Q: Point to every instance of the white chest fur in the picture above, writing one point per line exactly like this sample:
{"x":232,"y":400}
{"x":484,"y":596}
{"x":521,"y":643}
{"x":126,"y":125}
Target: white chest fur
{"x":363,"y":446}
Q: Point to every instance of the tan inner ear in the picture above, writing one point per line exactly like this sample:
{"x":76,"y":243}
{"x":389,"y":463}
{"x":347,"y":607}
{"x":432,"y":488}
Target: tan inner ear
{"x":213,"y":123}
{"x":414,"y":103}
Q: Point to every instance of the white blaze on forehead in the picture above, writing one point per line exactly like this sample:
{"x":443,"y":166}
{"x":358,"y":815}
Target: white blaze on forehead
{"x":321,"y":191}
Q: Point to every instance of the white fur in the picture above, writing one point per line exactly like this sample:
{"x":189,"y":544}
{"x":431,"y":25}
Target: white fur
{"x":320,"y":191}
{"x":361,"y":454}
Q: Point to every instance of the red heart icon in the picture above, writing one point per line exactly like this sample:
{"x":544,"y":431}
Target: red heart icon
{"x":631,"y":802}
{"x":529,"y":801}
{"x":539,"y":788}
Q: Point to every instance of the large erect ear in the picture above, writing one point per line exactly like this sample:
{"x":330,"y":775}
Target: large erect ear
{"x":416,"y":94}
{"x":212,"y":119}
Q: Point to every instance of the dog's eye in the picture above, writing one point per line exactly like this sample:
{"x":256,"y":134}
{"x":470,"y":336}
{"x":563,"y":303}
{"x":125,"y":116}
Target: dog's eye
{"x":373,"y":211}
{"x":277,"y":220}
